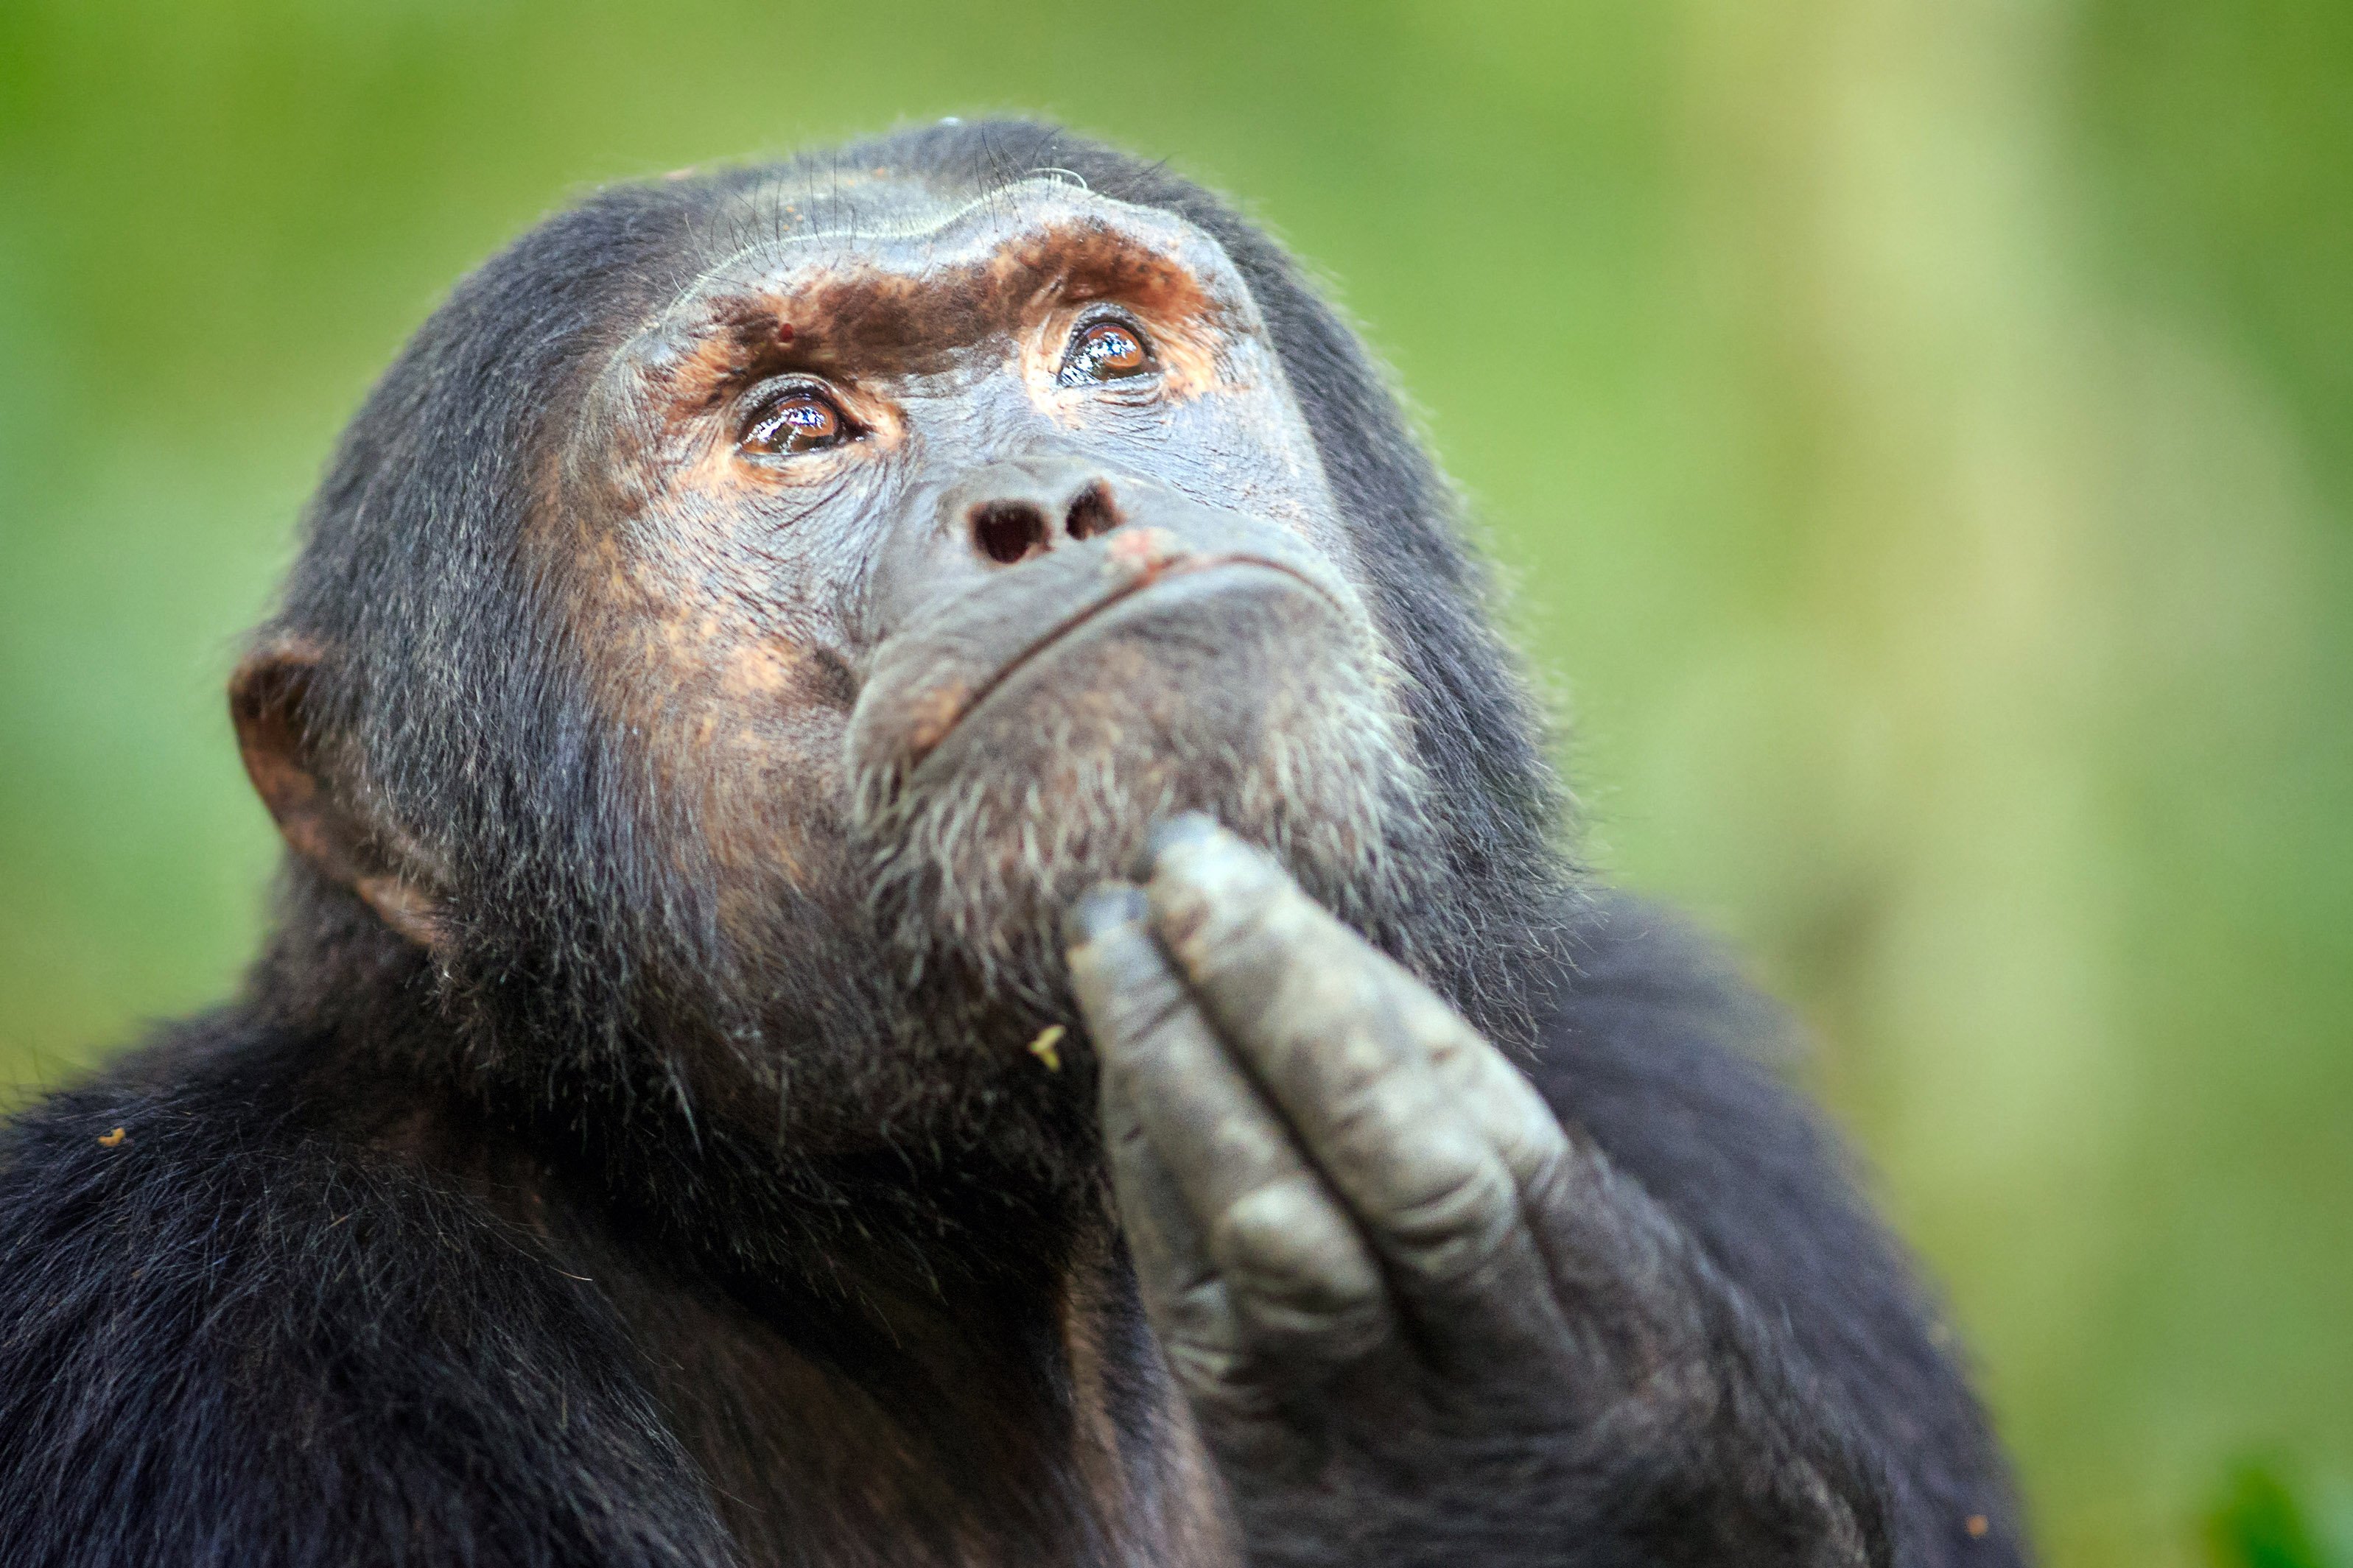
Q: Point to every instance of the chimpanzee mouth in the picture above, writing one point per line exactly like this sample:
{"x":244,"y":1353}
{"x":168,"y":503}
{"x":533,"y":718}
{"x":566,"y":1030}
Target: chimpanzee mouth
{"x":1126,"y":645}
{"x":1001,"y":763}
{"x":1155,"y":580}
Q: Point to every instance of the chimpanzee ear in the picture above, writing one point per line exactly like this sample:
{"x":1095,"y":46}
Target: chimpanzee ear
{"x":269,"y":699}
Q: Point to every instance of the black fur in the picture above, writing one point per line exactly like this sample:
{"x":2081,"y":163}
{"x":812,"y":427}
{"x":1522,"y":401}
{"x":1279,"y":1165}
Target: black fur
{"x":402,"y":1260}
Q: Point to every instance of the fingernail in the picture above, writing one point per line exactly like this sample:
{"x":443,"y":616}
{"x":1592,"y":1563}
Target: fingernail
{"x":1103,"y":908}
{"x":1183,"y":829}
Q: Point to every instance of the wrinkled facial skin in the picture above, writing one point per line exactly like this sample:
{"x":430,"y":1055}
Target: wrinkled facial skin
{"x":938,"y":548}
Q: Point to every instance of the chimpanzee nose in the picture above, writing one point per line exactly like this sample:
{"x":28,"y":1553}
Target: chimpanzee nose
{"x":1082,"y":529}
{"x":1012,"y":511}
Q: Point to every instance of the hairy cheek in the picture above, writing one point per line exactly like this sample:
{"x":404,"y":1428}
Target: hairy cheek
{"x":727,"y":739}
{"x":762,"y":795}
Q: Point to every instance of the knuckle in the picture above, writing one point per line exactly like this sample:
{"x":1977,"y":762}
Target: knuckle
{"x":1320,"y":1334}
{"x":1205,"y":1367}
{"x":1125,"y":994}
{"x":1373,"y":1100}
{"x":1199,"y":1314}
{"x":1458,"y":1226}
{"x":1225,"y":899}
{"x":1555,"y":1189}
{"x":1222,"y":1384}
{"x":1137,"y":1025}
{"x":1295,"y":1257}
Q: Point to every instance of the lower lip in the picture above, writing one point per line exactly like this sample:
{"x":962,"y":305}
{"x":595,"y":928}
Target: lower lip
{"x":1193,"y":566}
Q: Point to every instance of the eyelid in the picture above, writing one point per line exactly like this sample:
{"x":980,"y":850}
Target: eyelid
{"x":764,"y":398}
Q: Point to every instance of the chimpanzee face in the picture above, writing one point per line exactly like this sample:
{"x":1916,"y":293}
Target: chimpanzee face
{"x":939,"y":545}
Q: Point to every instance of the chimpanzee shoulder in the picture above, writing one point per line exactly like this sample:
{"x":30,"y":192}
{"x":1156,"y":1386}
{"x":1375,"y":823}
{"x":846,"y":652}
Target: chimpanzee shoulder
{"x":239,"y":1325}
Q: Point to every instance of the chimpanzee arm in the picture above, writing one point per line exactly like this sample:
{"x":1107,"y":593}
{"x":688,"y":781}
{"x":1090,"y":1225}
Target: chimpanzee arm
{"x":1656,"y":1049}
{"x":1421,"y":1320}
{"x":227,"y":1340}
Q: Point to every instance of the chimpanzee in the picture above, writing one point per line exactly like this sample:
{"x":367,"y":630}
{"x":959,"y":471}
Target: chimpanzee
{"x":924,"y":926}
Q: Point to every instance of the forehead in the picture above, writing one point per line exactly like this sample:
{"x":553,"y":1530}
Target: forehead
{"x":842,"y":249}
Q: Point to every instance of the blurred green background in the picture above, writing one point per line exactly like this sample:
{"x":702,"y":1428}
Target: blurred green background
{"x":1919,"y":434}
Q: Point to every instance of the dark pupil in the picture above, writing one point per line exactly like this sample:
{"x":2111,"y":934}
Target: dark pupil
{"x":1109,"y":351}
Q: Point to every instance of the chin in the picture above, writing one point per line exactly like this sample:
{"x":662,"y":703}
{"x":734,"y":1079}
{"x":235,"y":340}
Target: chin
{"x":1045,"y":791}
{"x":1014,"y":744}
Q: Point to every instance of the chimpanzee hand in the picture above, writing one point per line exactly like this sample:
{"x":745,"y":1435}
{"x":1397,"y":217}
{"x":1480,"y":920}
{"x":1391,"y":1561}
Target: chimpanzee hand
{"x":1417,"y":1320}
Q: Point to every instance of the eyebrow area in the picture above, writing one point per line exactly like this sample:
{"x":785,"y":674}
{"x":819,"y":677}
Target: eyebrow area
{"x":907,"y":309}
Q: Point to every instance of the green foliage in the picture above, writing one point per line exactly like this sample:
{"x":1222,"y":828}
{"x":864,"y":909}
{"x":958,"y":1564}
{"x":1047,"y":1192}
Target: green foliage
{"x":2261,"y":1521}
{"x":1919,"y":434}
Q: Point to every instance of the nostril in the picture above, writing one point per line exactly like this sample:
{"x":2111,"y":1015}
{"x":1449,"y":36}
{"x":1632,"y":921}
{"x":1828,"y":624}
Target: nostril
{"x":1007,"y":531}
{"x":1093,"y":513}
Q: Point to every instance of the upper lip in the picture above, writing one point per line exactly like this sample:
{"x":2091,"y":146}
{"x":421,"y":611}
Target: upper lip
{"x":1146,"y":577}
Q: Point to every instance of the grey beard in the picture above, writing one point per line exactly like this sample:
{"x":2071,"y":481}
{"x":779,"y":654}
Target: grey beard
{"x":971,"y":876}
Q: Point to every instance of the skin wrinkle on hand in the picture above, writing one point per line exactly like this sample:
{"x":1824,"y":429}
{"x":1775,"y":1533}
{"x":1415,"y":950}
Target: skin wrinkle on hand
{"x":1224,"y":909}
{"x":1300,"y":1002}
{"x":1252,"y":1213}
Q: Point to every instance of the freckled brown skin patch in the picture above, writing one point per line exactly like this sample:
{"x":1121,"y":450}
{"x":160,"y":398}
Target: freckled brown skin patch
{"x":710,"y":689}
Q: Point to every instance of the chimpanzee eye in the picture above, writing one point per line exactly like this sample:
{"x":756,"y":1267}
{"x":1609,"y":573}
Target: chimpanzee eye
{"x":802,"y":420}
{"x":1104,"y":351}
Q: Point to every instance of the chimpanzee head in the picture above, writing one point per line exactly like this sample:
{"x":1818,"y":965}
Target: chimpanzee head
{"x":755,"y":605}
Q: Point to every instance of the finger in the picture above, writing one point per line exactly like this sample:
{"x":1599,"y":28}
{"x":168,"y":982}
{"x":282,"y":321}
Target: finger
{"x":1501,"y":1103}
{"x":1224,"y":1175}
{"x":1348,"y":1044}
{"x":1605,"y":1245}
{"x":1235,"y":1390}
{"x":1493,"y":1094}
{"x":1191,"y":1309}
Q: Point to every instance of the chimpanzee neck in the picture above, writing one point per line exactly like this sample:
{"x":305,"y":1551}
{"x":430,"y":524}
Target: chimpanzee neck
{"x":929,"y":1335}
{"x":871,"y":1344}
{"x":939,"y":1348}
